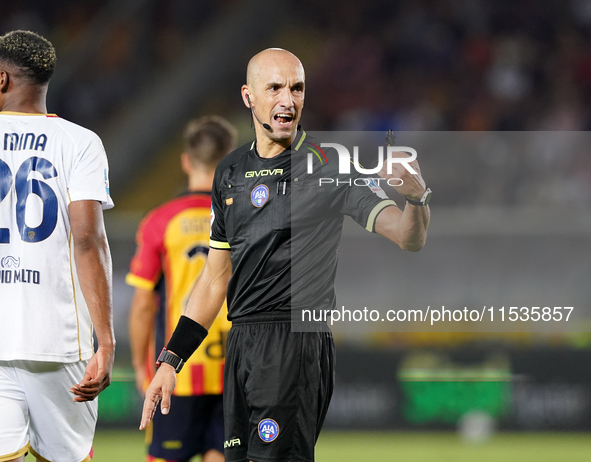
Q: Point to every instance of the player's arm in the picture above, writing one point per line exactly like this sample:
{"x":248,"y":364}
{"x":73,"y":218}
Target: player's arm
{"x":141,"y":324}
{"x":93,"y":266}
{"x":209,"y":293}
{"x":408,"y":229}
{"x":203,"y":306}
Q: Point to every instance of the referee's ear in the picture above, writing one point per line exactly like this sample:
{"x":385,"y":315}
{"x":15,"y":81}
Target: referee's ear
{"x":246,"y":92}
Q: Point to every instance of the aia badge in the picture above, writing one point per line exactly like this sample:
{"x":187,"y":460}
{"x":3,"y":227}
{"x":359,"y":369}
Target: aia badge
{"x":268,"y":430}
{"x":259,"y":195}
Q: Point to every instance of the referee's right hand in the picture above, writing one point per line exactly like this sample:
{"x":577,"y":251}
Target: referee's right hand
{"x":160,"y":389}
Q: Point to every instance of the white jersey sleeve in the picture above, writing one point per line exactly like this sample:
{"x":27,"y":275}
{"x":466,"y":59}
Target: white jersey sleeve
{"x":90,"y":174}
{"x":45,"y":163}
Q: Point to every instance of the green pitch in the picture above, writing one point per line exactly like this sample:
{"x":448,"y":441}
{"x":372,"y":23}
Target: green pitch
{"x":127,"y":446}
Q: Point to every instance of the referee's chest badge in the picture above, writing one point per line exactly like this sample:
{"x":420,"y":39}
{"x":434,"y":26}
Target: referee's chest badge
{"x":259,"y":195}
{"x":268,"y":430}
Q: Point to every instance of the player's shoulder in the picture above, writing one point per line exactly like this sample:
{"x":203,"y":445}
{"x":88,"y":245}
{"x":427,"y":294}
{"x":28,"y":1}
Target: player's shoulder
{"x":164,"y":212}
{"x":76,"y":132}
{"x":325,"y":157}
{"x":75,"y":129}
{"x":187,"y":200}
{"x":48,"y":121}
{"x":304,"y":138}
{"x":308,"y":142}
{"x":234,"y":157}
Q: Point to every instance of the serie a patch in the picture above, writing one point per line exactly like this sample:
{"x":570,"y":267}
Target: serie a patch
{"x":268,"y":430}
{"x":376,"y":188}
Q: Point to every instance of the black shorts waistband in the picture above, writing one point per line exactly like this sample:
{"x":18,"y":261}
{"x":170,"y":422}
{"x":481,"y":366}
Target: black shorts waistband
{"x":281,"y":317}
{"x":263,"y":318}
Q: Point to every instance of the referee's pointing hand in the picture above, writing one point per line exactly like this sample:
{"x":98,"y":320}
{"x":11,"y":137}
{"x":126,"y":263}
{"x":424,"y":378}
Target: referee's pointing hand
{"x":412,"y":185}
{"x":160,"y":388}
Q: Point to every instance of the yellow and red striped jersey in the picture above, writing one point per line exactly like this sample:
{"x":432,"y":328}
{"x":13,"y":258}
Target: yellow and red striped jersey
{"x":172,"y":247}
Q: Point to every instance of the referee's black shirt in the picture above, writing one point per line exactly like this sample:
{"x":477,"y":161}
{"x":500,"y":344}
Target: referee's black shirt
{"x":282,"y":228}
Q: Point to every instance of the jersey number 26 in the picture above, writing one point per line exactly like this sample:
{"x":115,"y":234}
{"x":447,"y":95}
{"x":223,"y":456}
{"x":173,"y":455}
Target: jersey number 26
{"x":24,"y":187}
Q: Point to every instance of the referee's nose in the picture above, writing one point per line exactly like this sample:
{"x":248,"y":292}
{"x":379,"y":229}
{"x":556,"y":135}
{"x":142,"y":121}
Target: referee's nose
{"x":286,"y":98}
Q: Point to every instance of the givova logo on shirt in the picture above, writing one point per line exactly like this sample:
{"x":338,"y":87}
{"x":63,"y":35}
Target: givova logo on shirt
{"x":268,"y":430}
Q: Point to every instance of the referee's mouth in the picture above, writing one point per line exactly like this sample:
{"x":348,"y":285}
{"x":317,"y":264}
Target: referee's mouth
{"x":284,"y":119}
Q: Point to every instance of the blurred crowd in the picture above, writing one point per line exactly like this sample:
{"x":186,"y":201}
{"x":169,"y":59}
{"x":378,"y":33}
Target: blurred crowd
{"x":465,"y":65}
{"x":453,"y":65}
{"x":108,"y":52}
{"x":409,"y":65}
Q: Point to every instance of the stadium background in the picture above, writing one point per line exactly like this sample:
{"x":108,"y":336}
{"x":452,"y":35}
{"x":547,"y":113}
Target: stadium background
{"x":135,"y":70}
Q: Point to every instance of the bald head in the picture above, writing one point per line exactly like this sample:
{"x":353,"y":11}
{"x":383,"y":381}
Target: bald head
{"x":265,"y":62}
{"x":274,"y":92}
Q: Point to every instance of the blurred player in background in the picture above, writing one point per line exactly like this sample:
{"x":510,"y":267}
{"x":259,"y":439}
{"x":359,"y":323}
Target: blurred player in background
{"x":55,"y":266}
{"x":173,"y":243}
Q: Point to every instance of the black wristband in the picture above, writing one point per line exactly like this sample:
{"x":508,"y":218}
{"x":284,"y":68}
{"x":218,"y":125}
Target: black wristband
{"x":186,"y":338}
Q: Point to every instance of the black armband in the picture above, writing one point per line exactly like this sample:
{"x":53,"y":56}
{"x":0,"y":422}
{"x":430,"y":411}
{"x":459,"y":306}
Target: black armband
{"x":186,"y":338}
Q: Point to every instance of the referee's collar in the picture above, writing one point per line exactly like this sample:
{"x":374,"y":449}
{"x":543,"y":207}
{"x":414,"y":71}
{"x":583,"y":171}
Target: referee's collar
{"x":297,"y":142}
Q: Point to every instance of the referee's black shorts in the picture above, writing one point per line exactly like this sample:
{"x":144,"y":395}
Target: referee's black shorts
{"x":277,"y":388}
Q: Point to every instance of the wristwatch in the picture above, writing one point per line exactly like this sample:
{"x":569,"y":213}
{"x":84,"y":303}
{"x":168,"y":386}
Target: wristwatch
{"x":171,"y":359}
{"x":423,"y":201}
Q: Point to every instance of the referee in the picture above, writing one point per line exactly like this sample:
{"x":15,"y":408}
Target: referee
{"x":277,"y":383}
